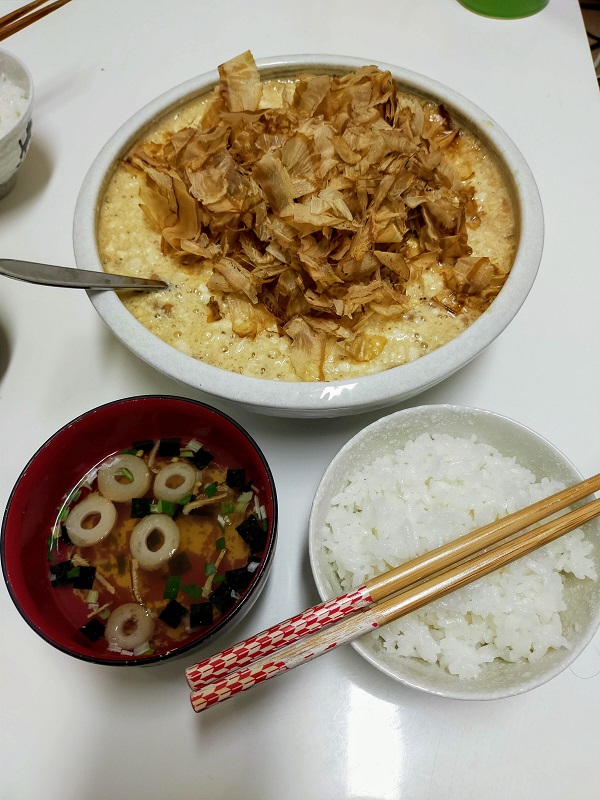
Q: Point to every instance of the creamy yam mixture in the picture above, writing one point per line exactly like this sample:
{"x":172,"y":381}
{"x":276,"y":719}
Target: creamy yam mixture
{"x":181,"y":315}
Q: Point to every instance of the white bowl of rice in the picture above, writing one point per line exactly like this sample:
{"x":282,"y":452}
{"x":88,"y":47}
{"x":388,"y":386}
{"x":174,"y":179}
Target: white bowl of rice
{"x":420,"y":477}
{"x":16,"y":101}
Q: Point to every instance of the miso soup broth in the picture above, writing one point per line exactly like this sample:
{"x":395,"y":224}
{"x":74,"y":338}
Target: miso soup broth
{"x":154,"y":547}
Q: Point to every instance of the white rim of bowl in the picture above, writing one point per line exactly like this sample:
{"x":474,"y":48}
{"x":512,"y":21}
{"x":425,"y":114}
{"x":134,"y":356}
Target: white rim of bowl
{"x":347,"y":395}
{"x":364,"y":650}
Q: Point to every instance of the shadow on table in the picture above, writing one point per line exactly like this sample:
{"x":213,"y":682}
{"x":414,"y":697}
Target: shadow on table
{"x":5,"y":350}
{"x":32,"y":179}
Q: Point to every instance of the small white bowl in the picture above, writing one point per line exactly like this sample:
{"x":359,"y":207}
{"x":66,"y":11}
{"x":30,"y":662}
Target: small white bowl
{"x":15,"y":140}
{"x":499,"y":679}
{"x":319,"y":399}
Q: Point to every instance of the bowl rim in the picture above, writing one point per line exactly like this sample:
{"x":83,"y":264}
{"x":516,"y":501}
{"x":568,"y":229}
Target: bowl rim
{"x":261,"y":573}
{"x":365,"y":650}
{"x":344,"y":395}
{"x":24,"y":118}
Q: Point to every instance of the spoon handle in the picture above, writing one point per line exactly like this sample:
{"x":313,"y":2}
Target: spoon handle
{"x":49,"y":275}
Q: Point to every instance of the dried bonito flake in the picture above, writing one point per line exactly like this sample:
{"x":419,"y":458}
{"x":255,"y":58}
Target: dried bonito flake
{"x":318,"y":211}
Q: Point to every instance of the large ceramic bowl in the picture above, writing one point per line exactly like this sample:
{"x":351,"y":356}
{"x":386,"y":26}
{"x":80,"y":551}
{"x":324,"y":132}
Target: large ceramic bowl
{"x":55,"y":612}
{"x":499,"y":678}
{"x":336,"y":397}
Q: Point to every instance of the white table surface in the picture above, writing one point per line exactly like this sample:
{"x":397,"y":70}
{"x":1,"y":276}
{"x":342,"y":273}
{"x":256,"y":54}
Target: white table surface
{"x":335,"y":728}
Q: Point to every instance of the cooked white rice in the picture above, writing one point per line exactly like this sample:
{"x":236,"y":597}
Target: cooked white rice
{"x":433,"y":490}
{"x":13,"y":103}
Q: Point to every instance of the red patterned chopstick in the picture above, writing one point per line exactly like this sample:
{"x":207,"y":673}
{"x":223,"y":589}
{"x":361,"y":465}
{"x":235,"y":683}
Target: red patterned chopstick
{"x":375,"y":616}
{"x":269,"y":641}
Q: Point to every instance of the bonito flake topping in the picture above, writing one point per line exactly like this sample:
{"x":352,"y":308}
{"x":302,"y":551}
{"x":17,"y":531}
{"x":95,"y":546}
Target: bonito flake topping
{"x":317,"y":211}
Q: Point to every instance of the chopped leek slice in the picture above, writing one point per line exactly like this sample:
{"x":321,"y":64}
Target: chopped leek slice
{"x":243,"y":500}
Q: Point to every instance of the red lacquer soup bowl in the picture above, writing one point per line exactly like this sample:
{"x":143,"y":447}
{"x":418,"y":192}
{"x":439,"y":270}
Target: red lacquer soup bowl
{"x":187,"y":589}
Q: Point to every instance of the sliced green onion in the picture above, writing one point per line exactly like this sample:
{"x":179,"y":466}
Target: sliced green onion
{"x":163,"y":507}
{"x":194,"y":445}
{"x":73,"y":572}
{"x":228,"y":507}
{"x":187,"y":454}
{"x":220,"y":543}
{"x":63,"y":513}
{"x":92,"y":596}
{"x":130,"y":452}
{"x":210,"y":490}
{"x":172,"y":587}
{"x":56,"y":532}
{"x":192,"y":590}
{"x":243,"y":500}
{"x":50,"y":547}
{"x":104,"y":614}
{"x":209,"y":569}
{"x":126,"y":473}
{"x":218,"y":579}
{"x":187,"y":498}
{"x":75,"y":496}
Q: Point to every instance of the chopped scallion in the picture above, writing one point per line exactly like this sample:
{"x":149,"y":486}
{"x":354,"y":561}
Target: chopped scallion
{"x":210,"y":490}
{"x":186,"y":453}
{"x":163,"y":507}
{"x":220,"y":543}
{"x":194,"y":445}
{"x":126,"y":473}
{"x":63,"y":513}
{"x":228,"y":507}
{"x":218,"y":579}
{"x":187,"y":498}
{"x":172,"y":587}
{"x":73,"y":572}
{"x":192,"y":590}
{"x":209,"y":569}
{"x":92,"y":596}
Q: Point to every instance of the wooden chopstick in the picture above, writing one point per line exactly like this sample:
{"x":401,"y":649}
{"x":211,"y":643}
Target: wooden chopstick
{"x":22,"y":18}
{"x":382,"y":586}
{"x":375,"y":616}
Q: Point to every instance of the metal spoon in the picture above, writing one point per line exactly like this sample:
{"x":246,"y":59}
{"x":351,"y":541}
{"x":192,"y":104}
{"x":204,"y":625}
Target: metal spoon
{"x":49,"y":275}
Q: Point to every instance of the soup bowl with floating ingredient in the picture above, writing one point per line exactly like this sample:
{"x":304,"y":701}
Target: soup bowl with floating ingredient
{"x":139,"y":531}
{"x":419,"y":478}
{"x":318,"y":394}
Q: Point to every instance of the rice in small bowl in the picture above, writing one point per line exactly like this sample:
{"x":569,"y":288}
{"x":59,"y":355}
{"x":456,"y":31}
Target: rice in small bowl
{"x":412,"y":481}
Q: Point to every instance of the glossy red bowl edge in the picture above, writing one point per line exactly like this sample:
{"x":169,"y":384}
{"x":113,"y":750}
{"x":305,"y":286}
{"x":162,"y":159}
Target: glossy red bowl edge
{"x":32,"y":504}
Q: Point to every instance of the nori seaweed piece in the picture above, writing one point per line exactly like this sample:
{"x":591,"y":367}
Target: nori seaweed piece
{"x":140,"y":507}
{"x":93,"y":629}
{"x":179,"y":564}
{"x":252,"y":533}
{"x":59,"y":573}
{"x":238,"y":579}
{"x":236,"y":478}
{"x":64,"y":536}
{"x":85,"y":579}
{"x":202,"y":458}
{"x":169,"y":447}
{"x":145,"y":444}
{"x":201,"y":614}
{"x":247,"y":487}
{"x":173,"y":613}
{"x":223,"y":597}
